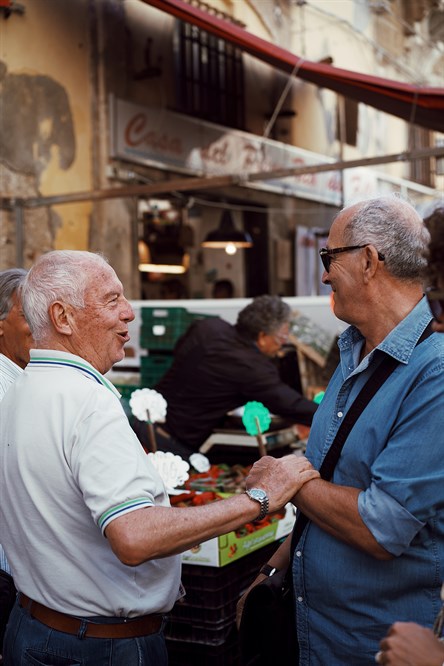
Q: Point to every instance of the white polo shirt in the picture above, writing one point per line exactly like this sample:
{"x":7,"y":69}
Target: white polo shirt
{"x":69,"y":465}
{"x":9,"y":371}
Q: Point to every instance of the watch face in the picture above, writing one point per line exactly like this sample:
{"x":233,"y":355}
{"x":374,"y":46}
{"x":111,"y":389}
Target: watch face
{"x":257,"y":493}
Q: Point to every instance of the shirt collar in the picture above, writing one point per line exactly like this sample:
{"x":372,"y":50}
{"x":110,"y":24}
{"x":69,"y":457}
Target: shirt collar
{"x":59,"y":359}
{"x":16,"y":368}
{"x":399,"y":343}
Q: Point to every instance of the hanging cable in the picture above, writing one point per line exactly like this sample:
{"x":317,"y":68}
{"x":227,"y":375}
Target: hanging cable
{"x":282,"y":98}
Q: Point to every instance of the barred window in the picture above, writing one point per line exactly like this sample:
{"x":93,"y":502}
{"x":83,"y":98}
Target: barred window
{"x":210,"y":81}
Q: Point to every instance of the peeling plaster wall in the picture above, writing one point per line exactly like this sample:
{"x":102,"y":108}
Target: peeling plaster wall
{"x":45,"y":126}
{"x":58,"y":62}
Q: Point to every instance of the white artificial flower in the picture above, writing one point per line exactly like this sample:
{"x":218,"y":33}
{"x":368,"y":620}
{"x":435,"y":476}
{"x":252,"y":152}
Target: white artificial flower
{"x":172,"y":469}
{"x":200,"y":462}
{"x":148,"y":405}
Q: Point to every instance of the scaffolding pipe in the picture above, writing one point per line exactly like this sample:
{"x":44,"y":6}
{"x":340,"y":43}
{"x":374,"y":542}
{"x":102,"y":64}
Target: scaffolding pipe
{"x":205,"y":182}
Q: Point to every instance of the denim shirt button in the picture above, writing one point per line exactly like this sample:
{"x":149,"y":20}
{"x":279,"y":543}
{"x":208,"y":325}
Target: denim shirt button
{"x":298,"y":553}
{"x":340,"y":414}
{"x":300,"y":599}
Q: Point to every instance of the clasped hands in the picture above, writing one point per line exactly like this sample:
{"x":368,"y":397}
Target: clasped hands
{"x":281,"y":478}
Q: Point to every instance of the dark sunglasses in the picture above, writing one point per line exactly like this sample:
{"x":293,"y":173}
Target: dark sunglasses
{"x":435,"y":298}
{"x":326,"y":254}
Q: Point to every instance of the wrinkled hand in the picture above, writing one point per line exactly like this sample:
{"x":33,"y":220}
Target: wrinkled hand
{"x":281,"y":478}
{"x":409,"y":644}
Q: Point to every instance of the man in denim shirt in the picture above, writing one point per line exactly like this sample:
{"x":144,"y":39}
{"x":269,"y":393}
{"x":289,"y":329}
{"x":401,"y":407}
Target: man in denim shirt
{"x":373,"y":552}
{"x":407,"y":643}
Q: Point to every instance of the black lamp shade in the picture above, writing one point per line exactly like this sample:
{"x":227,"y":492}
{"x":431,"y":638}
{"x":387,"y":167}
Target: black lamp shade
{"x":226,"y":233}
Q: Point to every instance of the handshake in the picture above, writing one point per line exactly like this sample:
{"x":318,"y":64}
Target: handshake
{"x":280,"y":478}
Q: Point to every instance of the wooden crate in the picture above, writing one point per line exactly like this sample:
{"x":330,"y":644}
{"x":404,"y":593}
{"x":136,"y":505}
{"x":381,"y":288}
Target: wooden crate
{"x":315,"y":348}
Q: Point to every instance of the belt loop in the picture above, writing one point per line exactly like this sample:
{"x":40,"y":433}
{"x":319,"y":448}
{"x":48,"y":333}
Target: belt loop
{"x":82,"y":629}
{"x":26,"y":606}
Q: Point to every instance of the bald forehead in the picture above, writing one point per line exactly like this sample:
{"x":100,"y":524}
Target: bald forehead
{"x":102,"y":282}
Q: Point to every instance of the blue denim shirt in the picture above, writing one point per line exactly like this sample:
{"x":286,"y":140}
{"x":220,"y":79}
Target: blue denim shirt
{"x":345,"y":598}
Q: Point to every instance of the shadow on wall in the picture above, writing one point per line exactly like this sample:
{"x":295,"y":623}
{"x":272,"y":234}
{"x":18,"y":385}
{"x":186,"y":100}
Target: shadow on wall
{"x":35,"y":116}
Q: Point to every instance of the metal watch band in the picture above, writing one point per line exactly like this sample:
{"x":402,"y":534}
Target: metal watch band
{"x":262,"y":501}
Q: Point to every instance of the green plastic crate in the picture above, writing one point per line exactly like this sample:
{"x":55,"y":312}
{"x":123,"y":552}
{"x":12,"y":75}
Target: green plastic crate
{"x":153,"y":368}
{"x":162,"y":327}
{"x":125,"y":390}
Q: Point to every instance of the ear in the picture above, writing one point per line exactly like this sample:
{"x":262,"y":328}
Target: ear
{"x":371,"y":262}
{"x":60,"y":315}
{"x":261,"y":340}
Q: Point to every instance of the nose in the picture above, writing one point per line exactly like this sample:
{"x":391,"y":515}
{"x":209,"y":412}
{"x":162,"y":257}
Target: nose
{"x":325,"y":279}
{"x":127,"y":311}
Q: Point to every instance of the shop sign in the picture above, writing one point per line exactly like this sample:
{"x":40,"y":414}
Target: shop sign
{"x":171,"y":141}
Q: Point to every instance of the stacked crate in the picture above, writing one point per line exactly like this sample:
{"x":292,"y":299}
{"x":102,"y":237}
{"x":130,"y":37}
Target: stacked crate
{"x":201,"y":630}
{"x":161,"y":328}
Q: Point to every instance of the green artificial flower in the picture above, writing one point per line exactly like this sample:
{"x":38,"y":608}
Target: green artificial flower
{"x":253,"y":412}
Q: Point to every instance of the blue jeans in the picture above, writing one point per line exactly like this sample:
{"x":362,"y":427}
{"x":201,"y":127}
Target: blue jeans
{"x":28,"y":642}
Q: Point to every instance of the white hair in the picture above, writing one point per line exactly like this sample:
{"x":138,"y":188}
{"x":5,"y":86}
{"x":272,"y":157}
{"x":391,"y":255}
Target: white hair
{"x":56,"y":275}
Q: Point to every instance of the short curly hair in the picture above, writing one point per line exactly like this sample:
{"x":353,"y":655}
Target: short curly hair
{"x":435,"y":224}
{"x":265,"y":314}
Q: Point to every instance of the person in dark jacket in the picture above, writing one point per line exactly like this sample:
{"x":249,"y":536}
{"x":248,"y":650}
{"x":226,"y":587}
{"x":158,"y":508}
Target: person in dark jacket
{"x":218,"y":367}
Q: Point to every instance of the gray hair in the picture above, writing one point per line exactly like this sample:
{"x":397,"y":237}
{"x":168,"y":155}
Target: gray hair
{"x":11,"y":281}
{"x":264,"y":314}
{"x":396,"y":230}
{"x":56,"y":275}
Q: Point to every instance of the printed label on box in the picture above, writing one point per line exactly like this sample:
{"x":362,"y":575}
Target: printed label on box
{"x":229,"y":547}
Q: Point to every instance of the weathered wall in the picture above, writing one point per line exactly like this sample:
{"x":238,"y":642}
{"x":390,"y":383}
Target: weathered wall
{"x":45,"y":123}
{"x":54,"y":129}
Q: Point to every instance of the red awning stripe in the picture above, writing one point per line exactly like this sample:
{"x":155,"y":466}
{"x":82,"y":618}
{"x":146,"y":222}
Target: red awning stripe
{"x":421,"y":105}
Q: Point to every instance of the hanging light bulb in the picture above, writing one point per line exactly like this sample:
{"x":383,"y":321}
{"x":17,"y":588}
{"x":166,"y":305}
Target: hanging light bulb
{"x":230,"y":248}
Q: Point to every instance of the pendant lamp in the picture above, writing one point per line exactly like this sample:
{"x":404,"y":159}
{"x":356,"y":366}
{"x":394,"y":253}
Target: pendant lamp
{"x":226,"y":236}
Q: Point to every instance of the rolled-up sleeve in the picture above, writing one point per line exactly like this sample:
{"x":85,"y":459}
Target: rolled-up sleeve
{"x":397,"y":529}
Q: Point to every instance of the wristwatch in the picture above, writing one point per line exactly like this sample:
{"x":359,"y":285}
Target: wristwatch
{"x":259,"y":495}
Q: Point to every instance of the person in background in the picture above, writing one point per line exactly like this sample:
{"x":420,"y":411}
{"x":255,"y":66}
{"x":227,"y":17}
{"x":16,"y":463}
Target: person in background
{"x":223,"y":289}
{"x":15,"y":343}
{"x":407,"y":643}
{"x":435,"y":225}
{"x":15,"y":336}
{"x":86,"y":520}
{"x":374,"y":545}
{"x":173,"y":289}
{"x":218,"y":367}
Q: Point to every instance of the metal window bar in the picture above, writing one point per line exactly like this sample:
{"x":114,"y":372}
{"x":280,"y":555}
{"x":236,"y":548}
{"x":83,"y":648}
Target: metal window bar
{"x":210,"y":77}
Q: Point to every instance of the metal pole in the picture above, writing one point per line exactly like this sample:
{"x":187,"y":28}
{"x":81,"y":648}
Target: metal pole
{"x":18,"y":214}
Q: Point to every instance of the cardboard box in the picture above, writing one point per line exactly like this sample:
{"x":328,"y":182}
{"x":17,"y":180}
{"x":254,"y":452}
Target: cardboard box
{"x":228,"y":548}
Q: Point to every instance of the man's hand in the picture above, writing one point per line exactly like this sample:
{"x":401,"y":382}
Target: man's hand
{"x":281,"y":478}
{"x":409,"y":644}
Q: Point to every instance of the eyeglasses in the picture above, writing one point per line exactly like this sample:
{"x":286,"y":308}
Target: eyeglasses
{"x":281,"y":337}
{"x":435,"y":298}
{"x":326,"y":254}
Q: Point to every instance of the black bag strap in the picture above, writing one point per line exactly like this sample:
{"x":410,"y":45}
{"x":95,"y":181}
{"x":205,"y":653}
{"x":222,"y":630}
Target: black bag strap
{"x":373,"y":384}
